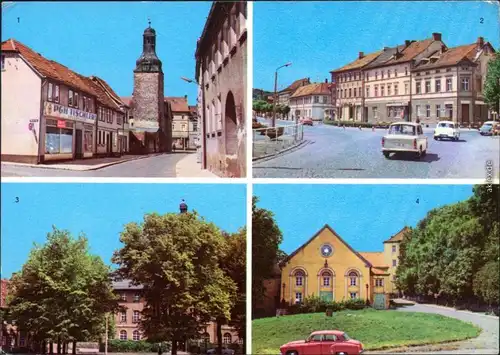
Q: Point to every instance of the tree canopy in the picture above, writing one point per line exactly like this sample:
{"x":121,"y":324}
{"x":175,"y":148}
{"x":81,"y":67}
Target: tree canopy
{"x":62,"y":292}
{"x":454,"y":250}
{"x":492,"y":84}
{"x":266,"y":238}
{"x":178,"y":260}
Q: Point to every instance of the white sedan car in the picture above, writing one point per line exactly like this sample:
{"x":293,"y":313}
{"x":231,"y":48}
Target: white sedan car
{"x":447,"y":129}
{"x":404,"y":137}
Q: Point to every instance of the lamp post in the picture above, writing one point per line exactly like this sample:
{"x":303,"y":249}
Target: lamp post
{"x":275,"y":91}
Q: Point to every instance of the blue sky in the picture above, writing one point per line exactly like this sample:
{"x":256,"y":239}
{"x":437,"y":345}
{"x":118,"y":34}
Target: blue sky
{"x":363,"y":215}
{"x":321,"y":36}
{"x":105,"y":38}
{"x":101,"y":211}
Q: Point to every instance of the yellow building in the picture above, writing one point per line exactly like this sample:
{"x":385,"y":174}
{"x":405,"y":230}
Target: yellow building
{"x":326,"y":266}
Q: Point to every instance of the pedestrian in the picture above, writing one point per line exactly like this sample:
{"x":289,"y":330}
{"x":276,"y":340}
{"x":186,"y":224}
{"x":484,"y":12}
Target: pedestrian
{"x":173,"y":147}
{"x":160,"y":350}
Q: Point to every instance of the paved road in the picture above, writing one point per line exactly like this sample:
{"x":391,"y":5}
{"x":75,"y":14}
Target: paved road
{"x":333,"y":152}
{"x":157,"y":166}
{"x":485,"y":343}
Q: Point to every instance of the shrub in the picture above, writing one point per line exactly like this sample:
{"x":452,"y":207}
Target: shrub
{"x":315,"y":304}
{"x":132,"y":346}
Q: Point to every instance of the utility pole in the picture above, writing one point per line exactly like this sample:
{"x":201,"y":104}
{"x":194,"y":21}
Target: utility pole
{"x":275,"y":91}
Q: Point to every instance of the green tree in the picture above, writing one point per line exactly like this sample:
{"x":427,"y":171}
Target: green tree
{"x":492,"y":84}
{"x":177,"y":259}
{"x":486,"y":283}
{"x":62,"y":292}
{"x":266,"y":238}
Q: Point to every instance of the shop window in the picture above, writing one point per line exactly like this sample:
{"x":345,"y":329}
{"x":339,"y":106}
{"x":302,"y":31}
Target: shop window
{"x":58,"y":140}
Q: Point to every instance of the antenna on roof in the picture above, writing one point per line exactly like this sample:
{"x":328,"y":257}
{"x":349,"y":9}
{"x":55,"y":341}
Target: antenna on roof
{"x":149,"y":22}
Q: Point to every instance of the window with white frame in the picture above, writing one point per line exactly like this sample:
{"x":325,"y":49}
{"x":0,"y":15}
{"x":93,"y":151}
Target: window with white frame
{"x":353,"y":295}
{"x":427,"y":111}
{"x":376,"y":90}
{"x":418,"y":87}
{"x":417,"y":108}
{"x":375,"y":112}
{"x":393,"y":248}
{"x":437,"y":84}
{"x":427,"y":86}
{"x":353,"y":278}
{"x":136,"y":335}
{"x":3,"y":62}
{"x":227,"y":338}
{"x":137,"y":297}
{"x":367,"y":91}
{"x":298,"y":297}
{"x":465,"y":84}
{"x":50,"y":91}
{"x":396,"y":91}
{"x":438,"y":111}
{"x":449,"y":110}
{"x":379,"y":282}
{"x":394,"y":262}
{"x":327,"y":278}
{"x":70,"y":97}
{"x":299,"y":278}
{"x":123,"y":317}
{"x":406,"y":88}
{"x":123,"y":296}
{"x":136,"y":316}
{"x":449,"y":84}
{"x":123,"y":335}
{"x":381,"y":90}
{"x":388,"y":89}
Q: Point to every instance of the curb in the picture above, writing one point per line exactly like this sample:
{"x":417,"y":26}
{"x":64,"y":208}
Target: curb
{"x":97,"y":167}
{"x":271,"y":156}
{"x":458,"y":310}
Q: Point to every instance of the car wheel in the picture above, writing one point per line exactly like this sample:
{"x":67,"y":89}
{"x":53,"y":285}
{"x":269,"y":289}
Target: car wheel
{"x":419,"y":154}
{"x":387,"y":154}
{"x":436,"y":138}
{"x":342,"y":353}
{"x":293,"y":352}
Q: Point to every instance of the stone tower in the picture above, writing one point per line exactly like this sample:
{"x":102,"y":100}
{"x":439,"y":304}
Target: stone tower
{"x":148,"y":97}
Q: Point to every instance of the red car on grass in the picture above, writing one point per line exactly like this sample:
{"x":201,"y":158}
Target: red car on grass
{"x":324,"y":342}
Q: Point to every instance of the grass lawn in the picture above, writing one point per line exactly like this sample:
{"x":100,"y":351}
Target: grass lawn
{"x":375,"y":329}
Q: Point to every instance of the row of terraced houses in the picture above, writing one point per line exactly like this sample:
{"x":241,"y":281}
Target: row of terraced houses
{"x":424,"y":80}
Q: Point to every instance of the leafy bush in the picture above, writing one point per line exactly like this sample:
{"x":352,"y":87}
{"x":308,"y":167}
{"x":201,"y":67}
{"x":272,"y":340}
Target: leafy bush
{"x":315,"y":304}
{"x":132,"y":346}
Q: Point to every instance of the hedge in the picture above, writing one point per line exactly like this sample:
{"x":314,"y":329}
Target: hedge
{"x":133,"y":346}
{"x":357,"y":124}
{"x":201,"y":348}
{"x":315,"y":304}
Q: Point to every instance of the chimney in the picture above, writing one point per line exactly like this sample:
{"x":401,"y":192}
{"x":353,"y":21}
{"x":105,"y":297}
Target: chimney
{"x":480,"y":42}
{"x":361,"y":55}
{"x":385,"y":48}
{"x":436,"y":36}
{"x":183,"y":207}
{"x":326,"y":81}
{"x":407,"y":43}
{"x":185,"y":97}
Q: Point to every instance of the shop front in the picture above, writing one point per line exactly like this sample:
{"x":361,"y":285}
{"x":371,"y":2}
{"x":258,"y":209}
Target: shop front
{"x":397,"y":111}
{"x":67,"y":133}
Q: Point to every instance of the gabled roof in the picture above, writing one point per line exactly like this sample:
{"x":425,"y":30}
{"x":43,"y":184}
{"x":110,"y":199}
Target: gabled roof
{"x":453,"y":56}
{"x":375,"y":258}
{"x":385,"y":55}
{"x":296,"y":84}
{"x":409,"y":53}
{"x":312,"y":89}
{"x":358,"y":63}
{"x":178,"y":104}
{"x":102,"y":97}
{"x":48,"y":68}
{"x":398,"y":237}
{"x":109,"y":91}
{"x":326,"y":226}
{"x":127,"y":100}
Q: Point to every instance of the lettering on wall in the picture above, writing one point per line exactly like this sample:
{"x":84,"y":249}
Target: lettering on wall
{"x":60,"y":111}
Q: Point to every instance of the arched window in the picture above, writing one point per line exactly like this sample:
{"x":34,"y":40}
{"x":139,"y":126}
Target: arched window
{"x":123,"y":335}
{"x":299,"y":278}
{"x":353,"y":278}
{"x":327,"y":278}
{"x":227,"y":338}
{"x":136,"y":335}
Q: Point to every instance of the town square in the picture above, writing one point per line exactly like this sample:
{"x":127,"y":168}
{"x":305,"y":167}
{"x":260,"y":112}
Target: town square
{"x":124,"y":104}
{"x":375,"y":101}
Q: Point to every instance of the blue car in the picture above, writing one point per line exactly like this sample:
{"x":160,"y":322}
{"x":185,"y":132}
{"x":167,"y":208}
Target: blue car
{"x":487,"y":128}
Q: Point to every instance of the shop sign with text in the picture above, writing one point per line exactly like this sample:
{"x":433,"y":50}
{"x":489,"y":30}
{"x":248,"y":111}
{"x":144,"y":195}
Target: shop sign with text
{"x":60,"y":111}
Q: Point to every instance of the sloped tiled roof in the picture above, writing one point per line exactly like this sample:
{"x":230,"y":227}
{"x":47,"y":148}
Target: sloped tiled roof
{"x":49,"y":68}
{"x":398,"y":236}
{"x":178,"y":104}
{"x":100,"y":94}
{"x":109,"y":91}
{"x":359,"y":63}
{"x":312,"y":89}
{"x":127,"y":100}
{"x":452,"y":56}
{"x":385,"y":55}
{"x":409,"y":53}
{"x":376,"y":258}
{"x":296,"y":84}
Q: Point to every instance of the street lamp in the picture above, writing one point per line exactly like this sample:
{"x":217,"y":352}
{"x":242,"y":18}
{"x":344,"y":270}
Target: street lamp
{"x":198,"y":145}
{"x":276,"y":89}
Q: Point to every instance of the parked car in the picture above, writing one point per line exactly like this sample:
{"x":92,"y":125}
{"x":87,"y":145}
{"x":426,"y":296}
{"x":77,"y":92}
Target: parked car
{"x":496,"y":129}
{"x":487,"y":128}
{"x":324,"y":342}
{"x":447,"y":129}
{"x":306,"y":121}
{"x":225,"y":351}
{"x":404,"y":137}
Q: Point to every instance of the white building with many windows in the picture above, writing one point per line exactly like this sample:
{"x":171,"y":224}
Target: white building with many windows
{"x":312,"y":101}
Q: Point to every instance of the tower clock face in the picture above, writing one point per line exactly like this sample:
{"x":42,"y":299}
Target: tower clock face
{"x":326,"y":250}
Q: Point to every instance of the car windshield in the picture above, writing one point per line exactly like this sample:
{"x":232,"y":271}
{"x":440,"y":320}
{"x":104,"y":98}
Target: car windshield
{"x":446,"y":125}
{"x":347,"y":337}
{"x":402,"y":129}
{"x":487,"y":125}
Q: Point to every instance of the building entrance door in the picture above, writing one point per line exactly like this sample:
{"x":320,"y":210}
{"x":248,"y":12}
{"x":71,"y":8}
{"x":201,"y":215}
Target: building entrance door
{"x":465,"y":113}
{"x":379,"y":301}
{"x":78,"y":144}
